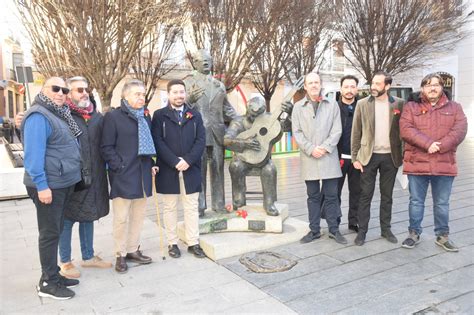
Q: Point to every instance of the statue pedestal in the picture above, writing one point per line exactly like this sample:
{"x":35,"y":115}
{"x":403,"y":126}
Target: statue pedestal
{"x":257,"y":220}
{"x":283,"y":230}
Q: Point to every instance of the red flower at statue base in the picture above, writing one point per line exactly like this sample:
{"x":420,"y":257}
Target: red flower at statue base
{"x":228,"y":208}
{"x":242,"y":213}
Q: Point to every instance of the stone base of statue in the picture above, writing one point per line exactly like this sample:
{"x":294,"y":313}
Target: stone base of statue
{"x":250,"y":218}
{"x":218,"y":245}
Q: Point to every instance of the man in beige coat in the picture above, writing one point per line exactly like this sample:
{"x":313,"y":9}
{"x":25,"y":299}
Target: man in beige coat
{"x":377,"y":147}
{"x":316,"y":125}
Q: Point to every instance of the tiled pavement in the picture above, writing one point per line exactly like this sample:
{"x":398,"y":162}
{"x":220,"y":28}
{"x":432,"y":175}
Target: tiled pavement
{"x":377,"y":278}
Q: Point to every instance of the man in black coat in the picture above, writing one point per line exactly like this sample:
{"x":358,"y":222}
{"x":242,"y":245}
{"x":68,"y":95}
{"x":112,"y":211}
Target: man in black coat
{"x":179,"y":136}
{"x":127,"y":147}
{"x":88,"y":203}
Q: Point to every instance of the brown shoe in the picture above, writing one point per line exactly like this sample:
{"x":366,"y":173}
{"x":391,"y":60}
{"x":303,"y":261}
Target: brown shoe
{"x":96,"y":262}
{"x":69,"y":271}
{"x":121,"y":265}
{"x":138,"y":257}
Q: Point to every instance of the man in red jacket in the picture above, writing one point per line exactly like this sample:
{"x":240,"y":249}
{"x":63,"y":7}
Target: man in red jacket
{"x":432,"y":128}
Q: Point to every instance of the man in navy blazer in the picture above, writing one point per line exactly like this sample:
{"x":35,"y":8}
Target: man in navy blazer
{"x":179,"y":137}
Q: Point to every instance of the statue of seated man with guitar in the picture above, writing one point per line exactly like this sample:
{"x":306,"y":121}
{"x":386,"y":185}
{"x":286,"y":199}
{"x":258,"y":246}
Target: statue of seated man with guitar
{"x":252,"y":137}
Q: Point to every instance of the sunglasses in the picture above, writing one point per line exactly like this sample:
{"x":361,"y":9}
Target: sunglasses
{"x":56,"y":89}
{"x":82,"y":90}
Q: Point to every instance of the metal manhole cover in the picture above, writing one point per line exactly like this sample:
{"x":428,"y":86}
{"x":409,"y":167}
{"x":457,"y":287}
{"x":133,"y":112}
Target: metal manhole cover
{"x":266,"y":262}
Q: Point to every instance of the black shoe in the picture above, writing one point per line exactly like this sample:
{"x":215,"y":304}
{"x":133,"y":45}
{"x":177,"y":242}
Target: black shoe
{"x":174,"y":251}
{"x":311,"y":236}
{"x":338,"y":237}
{"x":121,"y":265}
{"x":138,"y":257}
{"x":387,"y":234}
{"x":54,"y":290}
{"x":68,"y":283}
{"x":197,"y":251}
{"x":360,"y":239}
{"x":354,"y":228}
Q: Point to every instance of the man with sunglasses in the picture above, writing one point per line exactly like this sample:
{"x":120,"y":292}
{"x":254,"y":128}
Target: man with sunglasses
{"x":89,"y":202}
{"x":52,"y":168}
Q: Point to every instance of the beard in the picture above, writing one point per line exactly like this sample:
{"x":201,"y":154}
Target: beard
{"x":433,"y":97}
{"x":377,"y":93}
{"x":83,"y":103}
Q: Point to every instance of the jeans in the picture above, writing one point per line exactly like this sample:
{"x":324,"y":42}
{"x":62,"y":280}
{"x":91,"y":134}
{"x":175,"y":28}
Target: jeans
{"x":441,"y":191}
{"x":331,"y":204}
{"x":50,"y":223}
{"x":382,"y":163}
{"x":86,"y":237}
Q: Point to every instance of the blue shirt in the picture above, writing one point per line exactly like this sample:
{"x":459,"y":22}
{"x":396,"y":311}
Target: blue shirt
{"x":36,"y":132}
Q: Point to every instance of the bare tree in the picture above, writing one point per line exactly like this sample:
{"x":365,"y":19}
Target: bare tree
{"x":225,"y":28}
{"x":312,"y":30}
{"x":397,"y":36}
{"x":276,"y":20}
{"x":153,"y":60}
{"x":94,"y":38}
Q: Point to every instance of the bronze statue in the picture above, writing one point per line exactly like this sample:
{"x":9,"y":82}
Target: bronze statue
{"x":251,"y":138}
{"x":209,"y":96}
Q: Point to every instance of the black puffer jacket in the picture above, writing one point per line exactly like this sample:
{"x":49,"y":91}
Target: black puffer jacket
{"x":93,"y":203}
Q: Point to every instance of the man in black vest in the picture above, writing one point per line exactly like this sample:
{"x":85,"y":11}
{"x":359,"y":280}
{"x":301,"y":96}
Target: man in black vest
{"x":52,"y":168}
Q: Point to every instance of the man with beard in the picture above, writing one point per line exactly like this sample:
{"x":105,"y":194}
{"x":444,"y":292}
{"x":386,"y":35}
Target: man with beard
{"x":180,"y":139}
{"x":347,"y":104}
{"x":316,"y":125}
{"x":377,"y":147}
{"x":52,"y":169}
{"x":432,"y":127}
{"x":88,"y":203}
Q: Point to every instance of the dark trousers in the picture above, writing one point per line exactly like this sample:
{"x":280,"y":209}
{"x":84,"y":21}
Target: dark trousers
{"x":50,"y":224}
{"x":215,"y":156}
{"x":384,"y":165}
{"x":331,"y":203}
{"x":353,"y":179}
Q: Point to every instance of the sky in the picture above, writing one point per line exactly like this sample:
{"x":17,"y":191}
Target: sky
{"x":11,"y":26}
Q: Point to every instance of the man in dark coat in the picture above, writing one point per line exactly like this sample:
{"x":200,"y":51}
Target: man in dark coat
{"x":179,"y":137}
{"x":87,"y":204}
{"x":127,"y":147}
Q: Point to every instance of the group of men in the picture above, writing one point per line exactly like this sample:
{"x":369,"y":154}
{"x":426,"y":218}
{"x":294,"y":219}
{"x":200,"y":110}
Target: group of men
{"x":70,"y":149}
{"x":359,"y":139}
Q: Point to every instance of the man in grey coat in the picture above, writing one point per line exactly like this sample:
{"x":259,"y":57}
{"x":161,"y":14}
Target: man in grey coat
{"x":317,"y":129}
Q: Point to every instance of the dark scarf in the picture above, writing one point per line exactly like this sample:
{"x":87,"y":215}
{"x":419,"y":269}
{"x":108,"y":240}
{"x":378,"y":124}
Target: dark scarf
{"x":62,"y":112}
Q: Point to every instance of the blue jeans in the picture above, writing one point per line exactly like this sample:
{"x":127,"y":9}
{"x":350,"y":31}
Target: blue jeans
{"x":331,"y":204}
{"x":86,"y":237}
{"x":441,"y":191}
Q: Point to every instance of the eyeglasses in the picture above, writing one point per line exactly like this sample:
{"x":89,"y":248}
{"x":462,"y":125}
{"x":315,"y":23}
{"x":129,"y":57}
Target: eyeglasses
{"x":436,"y":85}
{"x":81,"y":90}
{"x":57,"y":88}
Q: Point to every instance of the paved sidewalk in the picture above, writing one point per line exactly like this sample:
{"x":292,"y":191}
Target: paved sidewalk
{"x":377,"y":278}
{"x":185,"y":285}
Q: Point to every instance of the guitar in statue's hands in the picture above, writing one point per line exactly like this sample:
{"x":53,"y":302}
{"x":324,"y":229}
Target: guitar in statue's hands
{"x":266,"y":129}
